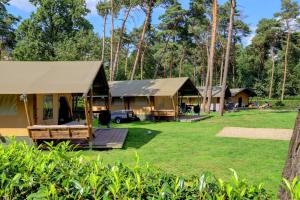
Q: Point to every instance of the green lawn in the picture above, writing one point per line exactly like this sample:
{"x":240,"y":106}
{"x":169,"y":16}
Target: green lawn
{"x":192,"y":148}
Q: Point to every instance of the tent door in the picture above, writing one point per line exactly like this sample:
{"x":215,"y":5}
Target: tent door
{"x":240,"y":101}
{"x":64,"y":114}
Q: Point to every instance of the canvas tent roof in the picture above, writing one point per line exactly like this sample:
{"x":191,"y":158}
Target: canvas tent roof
{"x":216,"y":91}
{"x":248,"y":91}
{"x":32,"y":77}
{"x":155,"y":87}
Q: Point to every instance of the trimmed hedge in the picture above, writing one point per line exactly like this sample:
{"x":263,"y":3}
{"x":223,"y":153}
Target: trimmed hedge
{"x":286,"y":104}
{"x":29,"y":173}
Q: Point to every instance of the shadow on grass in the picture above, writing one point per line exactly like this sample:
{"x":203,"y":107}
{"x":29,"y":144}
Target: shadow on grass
{"x":138,"y":137}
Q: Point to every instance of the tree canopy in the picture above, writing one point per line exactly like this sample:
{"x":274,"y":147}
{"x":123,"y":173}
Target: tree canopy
{"x":176,"y":46}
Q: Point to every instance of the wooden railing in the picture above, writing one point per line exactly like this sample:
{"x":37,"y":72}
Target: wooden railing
{"x":61,"y":132}
{"x":163,"y":113}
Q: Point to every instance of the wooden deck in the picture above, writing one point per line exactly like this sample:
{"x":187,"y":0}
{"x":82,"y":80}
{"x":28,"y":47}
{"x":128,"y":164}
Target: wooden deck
{"x":191,"y":118}
{"x":111,"y":138}
{"x":105,"y":138}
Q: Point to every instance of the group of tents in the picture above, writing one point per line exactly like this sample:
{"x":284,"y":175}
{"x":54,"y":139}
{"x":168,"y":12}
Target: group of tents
{"x":46,"y":93}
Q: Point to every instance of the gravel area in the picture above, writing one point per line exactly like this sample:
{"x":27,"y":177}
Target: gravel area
{"x":256,"y":133}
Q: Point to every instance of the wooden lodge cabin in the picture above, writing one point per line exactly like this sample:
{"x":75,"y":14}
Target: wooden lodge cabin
{"x":38,"y":98}
{"x":159,"y":98}
{"x":216,"y":95}
{"x":241,"y":96}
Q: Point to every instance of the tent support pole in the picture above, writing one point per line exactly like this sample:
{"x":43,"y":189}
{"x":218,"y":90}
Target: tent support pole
{"x":91,"y":118}
{"x":172,"y":98}
{"x":149,"y":104}
{"x":25,"y":100}
{"x":199,"y":98}
{"x":91,"y":106}
{"x":87,"y":117}
{"x":123,"y":101}
{"x":177,"y":109}
{"x":109,"y":100}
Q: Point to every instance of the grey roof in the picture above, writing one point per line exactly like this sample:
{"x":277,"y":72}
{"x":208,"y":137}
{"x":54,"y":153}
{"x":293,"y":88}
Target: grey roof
{"x":155,"y":87}
{"x":216,"y":91}
{"x":235,"y":91}
{"x":32,"y":77}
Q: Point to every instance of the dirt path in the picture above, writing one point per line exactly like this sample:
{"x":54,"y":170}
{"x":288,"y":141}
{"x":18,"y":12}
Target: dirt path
{"x":256,"y":133}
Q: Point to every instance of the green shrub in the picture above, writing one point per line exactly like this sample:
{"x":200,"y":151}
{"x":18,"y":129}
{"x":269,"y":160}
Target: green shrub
{"x":279,"y":103}
{"x":293,"y":188}
{"x":29,"y":173}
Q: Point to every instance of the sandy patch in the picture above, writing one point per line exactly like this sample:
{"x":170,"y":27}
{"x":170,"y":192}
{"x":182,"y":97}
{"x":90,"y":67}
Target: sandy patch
{"x":256,"y":133}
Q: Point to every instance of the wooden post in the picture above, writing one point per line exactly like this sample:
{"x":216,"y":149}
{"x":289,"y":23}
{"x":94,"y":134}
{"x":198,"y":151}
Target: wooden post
{"x":177,"y":109}
{"x":35,"y":117}
{"x":109,"y":100}
{"x":292,"y":163}
{"x":91,"y":107}
{"x":199,"y":98}
{"x":149,"y":102}
{"x":124,"y":106}
{"x":87,"y":118}
{"x":91,"y":119}
{"x":25,"y":100}
{"x":172,"y":98}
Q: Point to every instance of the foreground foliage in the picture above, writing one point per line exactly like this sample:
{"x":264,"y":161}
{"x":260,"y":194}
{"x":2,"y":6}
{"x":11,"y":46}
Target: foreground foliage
{"x":27,"y":172}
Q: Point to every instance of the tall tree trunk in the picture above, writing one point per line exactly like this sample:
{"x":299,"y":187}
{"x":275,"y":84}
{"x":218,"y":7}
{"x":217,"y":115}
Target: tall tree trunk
{"x":272,"y":73}
{"x":233,"y":61}
{"x":120,"y":42}
{"x":165,"y":71}
{"x":126,"y":63}
{"x":212,"y":53}
{"x":111,"y":41}
{"x":291,"y":168}
{"x":222,"y":65}
{"x":1,"y":45}
{"x":161,"y":56}
{"x":285,"y":61}
{"x":103,"y":39}
{"x":194,"y":74}
{"x":147,"y":21}
{"x":171,"y":66}
{"x":142,"y":64}
{"x":180,"y":63}
{"x":227,"y":57}
{"x":207,"y":75}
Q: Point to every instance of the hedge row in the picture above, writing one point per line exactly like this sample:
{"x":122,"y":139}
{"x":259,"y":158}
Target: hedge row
{"x":29,"y":173}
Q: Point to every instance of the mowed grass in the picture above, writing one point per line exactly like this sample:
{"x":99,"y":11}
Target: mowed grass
{"x":189,"y":149}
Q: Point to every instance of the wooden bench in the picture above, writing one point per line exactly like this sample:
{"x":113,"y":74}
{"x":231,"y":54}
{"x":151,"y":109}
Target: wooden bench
{"x":58,"y":132}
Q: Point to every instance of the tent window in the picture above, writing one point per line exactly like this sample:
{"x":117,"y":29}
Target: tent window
{"x":48,"y":107}
{"x":8,"y":105}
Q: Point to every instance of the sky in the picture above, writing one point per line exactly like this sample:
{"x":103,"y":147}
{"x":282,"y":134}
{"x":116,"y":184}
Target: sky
{"x":252,"y":12}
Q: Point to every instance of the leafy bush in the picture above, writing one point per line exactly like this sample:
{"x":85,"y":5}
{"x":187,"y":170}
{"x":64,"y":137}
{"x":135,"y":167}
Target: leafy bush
{"x":292,"y":187}
{"x":29,"y":173}
{"x":279,"y":103}
{"x":286,"y":104}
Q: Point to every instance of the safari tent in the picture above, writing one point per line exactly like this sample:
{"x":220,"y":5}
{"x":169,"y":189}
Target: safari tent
{"x":216,"y":95}
{"x":151,"y":98}
{"x":39,"y":97}
{"x":241,"y":96}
